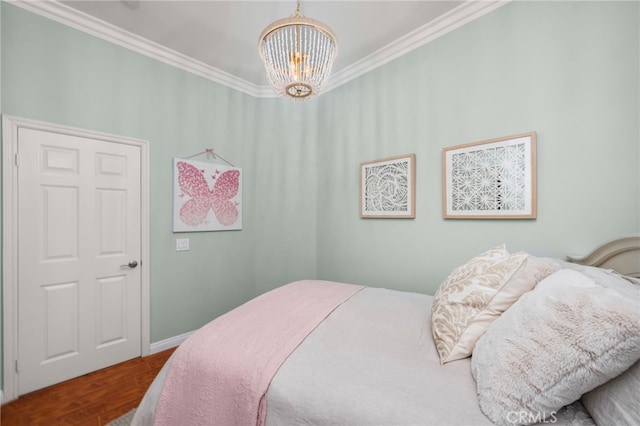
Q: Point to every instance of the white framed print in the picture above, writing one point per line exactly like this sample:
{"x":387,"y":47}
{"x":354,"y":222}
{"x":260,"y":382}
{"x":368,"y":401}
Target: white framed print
{"x":492,"y":179}
{"x":387,"y":187}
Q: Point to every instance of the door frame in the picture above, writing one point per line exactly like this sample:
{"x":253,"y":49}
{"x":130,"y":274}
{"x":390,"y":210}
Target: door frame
{"x":10,"y":127}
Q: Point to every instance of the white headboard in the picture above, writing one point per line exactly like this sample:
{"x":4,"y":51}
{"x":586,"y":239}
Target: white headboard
{"x":622,"y":255}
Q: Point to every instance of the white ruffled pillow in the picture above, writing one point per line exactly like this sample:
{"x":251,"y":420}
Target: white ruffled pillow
{"x":564,"y":338}
{"x":477,"y":292}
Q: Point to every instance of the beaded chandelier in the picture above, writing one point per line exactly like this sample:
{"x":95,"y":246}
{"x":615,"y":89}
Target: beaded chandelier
{"x":298,"y":54}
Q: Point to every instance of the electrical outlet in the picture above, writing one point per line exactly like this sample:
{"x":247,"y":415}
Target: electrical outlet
{"x":182,"y":244}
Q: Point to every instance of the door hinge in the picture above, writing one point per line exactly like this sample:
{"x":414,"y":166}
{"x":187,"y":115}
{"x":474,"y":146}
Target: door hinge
{"x":17,"y":160}
{"x":17,"y":370}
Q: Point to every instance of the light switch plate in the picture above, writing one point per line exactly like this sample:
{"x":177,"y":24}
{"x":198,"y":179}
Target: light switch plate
{"x":182,"y":244}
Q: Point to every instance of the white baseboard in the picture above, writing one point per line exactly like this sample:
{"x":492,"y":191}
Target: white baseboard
{"x":169,"y":343}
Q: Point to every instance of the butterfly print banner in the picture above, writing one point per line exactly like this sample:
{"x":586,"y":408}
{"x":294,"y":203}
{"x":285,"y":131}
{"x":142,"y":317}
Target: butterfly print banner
{"x":206,"y":196}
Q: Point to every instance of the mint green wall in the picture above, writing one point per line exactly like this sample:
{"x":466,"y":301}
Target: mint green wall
{"x":56,"y":74}
{"x":286,"y":195}
{"x":567,"y":70}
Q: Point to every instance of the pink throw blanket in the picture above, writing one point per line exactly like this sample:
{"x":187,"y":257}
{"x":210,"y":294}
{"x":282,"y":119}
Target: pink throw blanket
{"x":220,"y":374}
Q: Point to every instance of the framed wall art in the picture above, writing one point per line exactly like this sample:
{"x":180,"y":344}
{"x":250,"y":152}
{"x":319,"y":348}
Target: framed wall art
{"x":493,"y":179}
{"x":206,"y":196}
{"x":387,"y":187}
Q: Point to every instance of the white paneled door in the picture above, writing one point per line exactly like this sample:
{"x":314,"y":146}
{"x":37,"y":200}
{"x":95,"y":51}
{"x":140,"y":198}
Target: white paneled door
{"x":79,"y":246}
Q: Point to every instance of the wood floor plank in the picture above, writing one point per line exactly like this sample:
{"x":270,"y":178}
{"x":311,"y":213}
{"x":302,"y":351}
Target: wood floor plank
{"x":94,"y":399}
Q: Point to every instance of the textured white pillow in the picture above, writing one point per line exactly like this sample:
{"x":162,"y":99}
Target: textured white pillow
{"x":616,"y":402}
{"x":606,"y":278}
{"x":471,"y":298}
{"x":564,"y":338}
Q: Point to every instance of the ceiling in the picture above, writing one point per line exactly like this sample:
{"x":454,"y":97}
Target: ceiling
{"x":218,"y":39}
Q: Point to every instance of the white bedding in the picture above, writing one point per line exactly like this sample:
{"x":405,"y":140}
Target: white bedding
{"x":372,"y":362}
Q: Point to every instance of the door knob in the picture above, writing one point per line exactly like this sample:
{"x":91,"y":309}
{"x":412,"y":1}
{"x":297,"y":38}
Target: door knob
{"x":130,"y":265}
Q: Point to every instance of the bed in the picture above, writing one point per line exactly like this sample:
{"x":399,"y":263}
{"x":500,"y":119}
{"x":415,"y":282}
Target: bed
{"x":508,"y":338}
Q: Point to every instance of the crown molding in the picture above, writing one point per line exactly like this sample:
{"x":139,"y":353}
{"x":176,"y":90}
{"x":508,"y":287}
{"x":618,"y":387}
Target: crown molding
{"x":59,"y":12}
{"x":461,"y":15}
{"x":74,"y":18}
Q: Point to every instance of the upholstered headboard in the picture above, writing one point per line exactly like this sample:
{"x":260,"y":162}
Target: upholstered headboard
{"x":622,"y":255}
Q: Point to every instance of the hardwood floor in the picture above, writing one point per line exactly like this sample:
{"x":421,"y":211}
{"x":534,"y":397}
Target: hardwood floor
{"x":92,"y":400}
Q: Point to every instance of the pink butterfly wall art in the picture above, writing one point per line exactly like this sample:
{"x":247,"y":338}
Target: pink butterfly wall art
{"x":207,"y":196}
